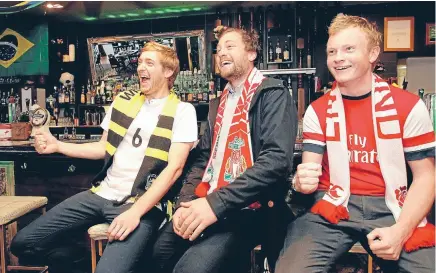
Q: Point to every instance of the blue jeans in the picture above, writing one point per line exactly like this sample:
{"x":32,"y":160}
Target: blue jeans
{"x":45,"y":239}
{"x":314,"y":245}
{"x":222,"y":248}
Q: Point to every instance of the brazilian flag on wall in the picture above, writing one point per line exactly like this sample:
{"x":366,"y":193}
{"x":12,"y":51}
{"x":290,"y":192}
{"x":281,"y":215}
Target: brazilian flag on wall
{"x":24,"y":52}
{"x":12,"y":47}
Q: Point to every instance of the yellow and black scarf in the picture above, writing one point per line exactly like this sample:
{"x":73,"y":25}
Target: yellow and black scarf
{"x":125,"y":108}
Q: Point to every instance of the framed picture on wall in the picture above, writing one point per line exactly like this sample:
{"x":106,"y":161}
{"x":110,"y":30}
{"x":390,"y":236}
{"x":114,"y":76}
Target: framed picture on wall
{"x":399,"y":33}
{"x":430,"y":34}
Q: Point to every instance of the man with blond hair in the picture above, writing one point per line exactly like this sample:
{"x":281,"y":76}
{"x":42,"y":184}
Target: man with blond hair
{"x":357,"y":140}
{"x":147,"y":136}
{"x":233,"y":195}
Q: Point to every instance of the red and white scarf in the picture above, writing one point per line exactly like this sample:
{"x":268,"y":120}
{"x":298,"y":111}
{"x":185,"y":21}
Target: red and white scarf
{"x":238,"y":155}
{"x":391,"y":159}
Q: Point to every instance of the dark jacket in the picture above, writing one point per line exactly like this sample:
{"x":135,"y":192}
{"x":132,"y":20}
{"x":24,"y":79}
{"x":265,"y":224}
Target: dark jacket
{"x":273,"y":126}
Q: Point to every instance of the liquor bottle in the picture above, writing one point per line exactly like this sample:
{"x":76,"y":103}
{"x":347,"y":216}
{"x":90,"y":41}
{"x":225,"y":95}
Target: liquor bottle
{"x":211,"y":85}
{"x":190,"y":97}
{"x":66,"y":94}
{"x":97,"y":96}
{"x":83,"y":96}
{"x":73,"y":95}
{"x":205,"y":94}
{"x":55,"y":94}
{"x":92,"y":97}
{"x":300,"y":43}
{"x":218,"y":87}
{"x":286,"y":52}
{"x":102,"y":94}
{"x":61,"y":96}
{"x":195,"y":86}
{"x":270,"y":53}
{"x":11,"y":107}
{"x":278,"y":51}
{"x":211,"y":88}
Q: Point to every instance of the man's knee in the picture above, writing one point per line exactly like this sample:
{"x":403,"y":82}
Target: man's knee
{"x":20,"y":244}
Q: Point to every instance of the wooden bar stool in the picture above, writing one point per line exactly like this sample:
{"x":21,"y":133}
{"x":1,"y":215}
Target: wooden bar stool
{"x":11,"y":209}
{"x":97,"y":234}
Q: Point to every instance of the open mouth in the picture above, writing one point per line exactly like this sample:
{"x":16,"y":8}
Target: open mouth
{"x":341,"y":68}
{"x":144,"y":79}
{"x":225,"y":63}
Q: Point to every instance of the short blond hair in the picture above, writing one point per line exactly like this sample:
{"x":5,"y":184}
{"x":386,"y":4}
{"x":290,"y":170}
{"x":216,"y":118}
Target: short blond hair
{"x":341,"y":22}
{"x":169,"y":59}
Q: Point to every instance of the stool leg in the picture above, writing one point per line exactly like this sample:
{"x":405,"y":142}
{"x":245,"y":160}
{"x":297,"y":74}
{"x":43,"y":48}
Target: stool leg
{"x":43,"y":210}
{"x":100,"y":248}
{"x":3,"y":249}
{"x":369,"y":264}
{"x":93,"y":256}
{"x":253,"y":261}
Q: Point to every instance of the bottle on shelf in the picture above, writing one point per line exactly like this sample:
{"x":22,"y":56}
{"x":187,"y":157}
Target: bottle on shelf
{"x":103,"y":92}
{"x":61,"y":96}
{"x":12,"y":107}
{"x":66,"y":94}
{"x":278,"y":51}
{"x":286,"y":52}
{"x":300,"y":43}
{"x":83,"y":96}
{"x":205,"y":94}
{"x":270,"y":53}
{"x":98,"y":96}
{"x":73,"y":94}
{"x":92,"y":97}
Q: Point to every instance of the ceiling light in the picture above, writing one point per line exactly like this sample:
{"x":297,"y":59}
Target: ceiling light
{"x":54,"y":6}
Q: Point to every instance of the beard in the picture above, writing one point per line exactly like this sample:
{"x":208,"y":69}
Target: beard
{"x":234,"y":72}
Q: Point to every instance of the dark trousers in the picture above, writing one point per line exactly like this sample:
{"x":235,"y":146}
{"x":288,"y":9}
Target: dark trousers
{"x":224,"y":247}
{"x":46,"y":239}
{"x":314,"y":245}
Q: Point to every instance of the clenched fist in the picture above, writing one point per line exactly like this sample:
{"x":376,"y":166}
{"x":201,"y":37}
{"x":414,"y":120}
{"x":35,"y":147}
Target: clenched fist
{"x":306,"y":179}
{"x":45,"y":142}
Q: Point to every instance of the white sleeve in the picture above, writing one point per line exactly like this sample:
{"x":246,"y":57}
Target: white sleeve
{"x":312,"y":131}
{"x":185,"y":124}
{"x":105,"y":123}
{"x":418,"y":133}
